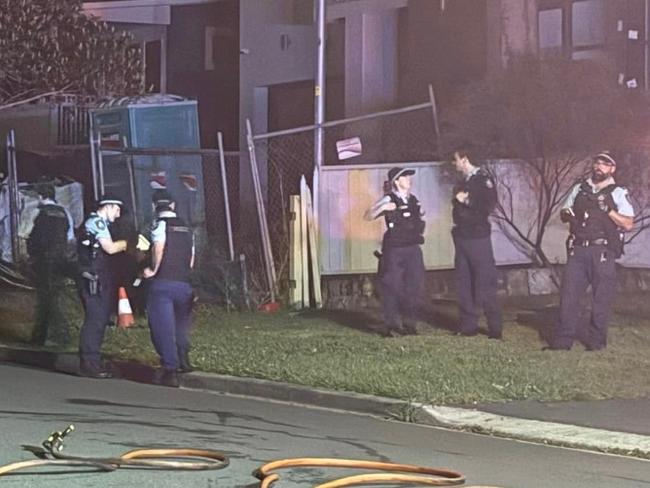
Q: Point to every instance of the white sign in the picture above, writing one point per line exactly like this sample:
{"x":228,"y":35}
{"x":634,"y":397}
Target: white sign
{"x":349,"y":148}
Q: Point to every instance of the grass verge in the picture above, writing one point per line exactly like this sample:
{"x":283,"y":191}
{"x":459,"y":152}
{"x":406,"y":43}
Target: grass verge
{"x":433,"y":367}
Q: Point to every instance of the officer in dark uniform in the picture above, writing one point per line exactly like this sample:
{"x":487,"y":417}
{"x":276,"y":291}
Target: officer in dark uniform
{"x":476,"y":276}
{"x":170,"y":296}
{"x":48,"y":246}
{"x":597,"y":211}
{"x":401,"y":266}
{"x":97,"y":282}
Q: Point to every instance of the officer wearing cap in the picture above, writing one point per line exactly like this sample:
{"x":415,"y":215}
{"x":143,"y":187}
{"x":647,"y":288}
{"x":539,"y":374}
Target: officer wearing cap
{"x":170,"y":296}
{"x":401,"y":266}
{"x":97,"y":282}
{"x":598,"y":212}
{"x":476,"y":276}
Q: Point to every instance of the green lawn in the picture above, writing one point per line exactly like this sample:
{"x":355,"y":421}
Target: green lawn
{"x":331,"y":350}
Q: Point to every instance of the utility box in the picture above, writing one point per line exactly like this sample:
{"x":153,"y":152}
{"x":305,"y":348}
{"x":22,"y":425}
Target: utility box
{"x":147,"y":144}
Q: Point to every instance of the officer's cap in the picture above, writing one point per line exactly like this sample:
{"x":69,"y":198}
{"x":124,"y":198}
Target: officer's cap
{"x":396,"y":172}
{"x":161,"y":197}
{"x":109,"y":200}
{"x":606,"y":158}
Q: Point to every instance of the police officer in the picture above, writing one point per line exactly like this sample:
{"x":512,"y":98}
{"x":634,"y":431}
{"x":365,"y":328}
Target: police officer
{"x":401,"y":266}
{"x":476,"y":276}
{"x":597,"y":211}
{"x":48,"y":245}
{"x":97,"y":282}
{"x":169,"y":296}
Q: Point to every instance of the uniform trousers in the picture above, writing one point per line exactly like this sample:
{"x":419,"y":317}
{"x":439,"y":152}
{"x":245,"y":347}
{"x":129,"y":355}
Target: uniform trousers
{"x":401,"y":277}
{"x":97,"y":315}
{"x":595,"y":266}
{"x":169,"y":307}
{"x":476,"y":284}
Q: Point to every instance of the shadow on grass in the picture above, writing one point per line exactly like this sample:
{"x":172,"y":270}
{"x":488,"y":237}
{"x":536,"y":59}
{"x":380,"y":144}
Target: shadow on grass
{"x":544,"y":320}
{"x":364,"y":320}
{"x":541,"y":320}
{"x":441,"y":314}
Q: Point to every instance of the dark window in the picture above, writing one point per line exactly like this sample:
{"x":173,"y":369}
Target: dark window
{"x":572,"y":28}
{"x":550,"y":31}
{"x":152,"y":66}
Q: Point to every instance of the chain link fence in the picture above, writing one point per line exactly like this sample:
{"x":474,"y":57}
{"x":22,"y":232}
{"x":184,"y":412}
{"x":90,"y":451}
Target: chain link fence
{"x":284,"y":157}
{"x":195,"y":180}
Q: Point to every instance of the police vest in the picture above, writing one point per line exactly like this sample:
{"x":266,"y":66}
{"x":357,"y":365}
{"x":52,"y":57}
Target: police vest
{"x":473,"y":221}
{"x":591,"y":222}
{"x":404,"y":225}
{"x":90,"y":254}
{"x":49,"y":235}
{"x":175,"y":264}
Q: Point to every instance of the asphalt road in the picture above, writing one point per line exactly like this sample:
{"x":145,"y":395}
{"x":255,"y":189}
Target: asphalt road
{"x":113,"y":416}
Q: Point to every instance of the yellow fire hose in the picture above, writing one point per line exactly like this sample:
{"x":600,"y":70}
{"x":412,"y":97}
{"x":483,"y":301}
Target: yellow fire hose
{"x":179,"y":459}
{"x":394,"y":473}
{"x":205,"y":459}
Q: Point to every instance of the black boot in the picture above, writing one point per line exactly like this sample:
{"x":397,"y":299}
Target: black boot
{"x":184,"y":365}
{"x":167,"y":377}
{"x":91,"y":369}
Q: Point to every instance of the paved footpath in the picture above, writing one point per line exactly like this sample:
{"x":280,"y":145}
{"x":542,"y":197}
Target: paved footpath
{"x":615,"y":426}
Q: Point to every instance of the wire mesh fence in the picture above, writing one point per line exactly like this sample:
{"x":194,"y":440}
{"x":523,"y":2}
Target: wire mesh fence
{"x":392,"y":137}
{"x":198,"y":185}
{"x":283,"y":158}
{"x":195,"y":178}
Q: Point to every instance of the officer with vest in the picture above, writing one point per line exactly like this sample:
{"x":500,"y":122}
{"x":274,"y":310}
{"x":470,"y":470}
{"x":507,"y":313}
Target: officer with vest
{"x":401,"y":266}
{"x":48,"y":246}
{"x":98,"y":288}
{"x":598,"y":211}
{"x":169,"y":295}
{"x":476,"y":276}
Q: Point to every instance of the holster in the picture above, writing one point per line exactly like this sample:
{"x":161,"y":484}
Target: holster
{"x":570,"y":244}
{"x":91,"y":282}
{"x":378,"y":254}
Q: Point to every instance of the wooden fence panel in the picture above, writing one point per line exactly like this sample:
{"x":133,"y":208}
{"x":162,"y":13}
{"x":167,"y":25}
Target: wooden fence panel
{"x":347,"y":241}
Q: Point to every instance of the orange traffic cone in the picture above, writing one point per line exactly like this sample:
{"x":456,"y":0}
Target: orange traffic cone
{"x":124,"y":312}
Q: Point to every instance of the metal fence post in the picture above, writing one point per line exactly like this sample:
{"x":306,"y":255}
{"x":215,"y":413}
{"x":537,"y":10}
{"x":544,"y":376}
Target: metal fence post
{"x":134,"y":201}
{"x":226,"y":202}
{"x":14,"y":204}
{"x":100,"y":166}
{"x":261,"y":214}
{"x":93,"y":162}
{"x":434,"y":110}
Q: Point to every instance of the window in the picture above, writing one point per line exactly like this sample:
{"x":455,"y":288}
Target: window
{"x":572,"y":28}
{"x":550,"y":31}
{"x":588,"y":23}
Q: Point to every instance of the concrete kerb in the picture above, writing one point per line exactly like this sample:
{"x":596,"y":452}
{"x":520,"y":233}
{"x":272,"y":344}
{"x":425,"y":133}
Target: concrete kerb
{"x":549,"y":433}
{"x":286,"y":392}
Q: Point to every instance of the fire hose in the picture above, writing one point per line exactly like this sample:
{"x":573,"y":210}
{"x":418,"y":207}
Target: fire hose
{"x":176,"y":458}
{"x":395,"y":473}
{"x":203,"y":459}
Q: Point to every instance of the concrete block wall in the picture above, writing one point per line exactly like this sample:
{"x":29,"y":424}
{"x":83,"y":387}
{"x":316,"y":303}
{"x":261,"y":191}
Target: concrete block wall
{"x":362,"y":291}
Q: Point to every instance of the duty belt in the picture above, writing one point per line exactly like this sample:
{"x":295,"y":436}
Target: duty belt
{"x":601,"y":241}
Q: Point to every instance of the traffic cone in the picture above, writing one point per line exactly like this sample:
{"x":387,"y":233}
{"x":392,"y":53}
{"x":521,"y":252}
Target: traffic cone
{"x":124,"y":312}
